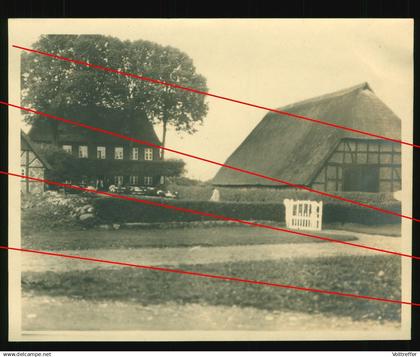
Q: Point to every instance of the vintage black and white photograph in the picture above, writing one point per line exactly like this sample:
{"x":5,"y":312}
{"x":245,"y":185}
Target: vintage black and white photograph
{"x":209,"y":179}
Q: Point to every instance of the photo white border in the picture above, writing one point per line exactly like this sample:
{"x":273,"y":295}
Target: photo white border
{"x":17,"y":30}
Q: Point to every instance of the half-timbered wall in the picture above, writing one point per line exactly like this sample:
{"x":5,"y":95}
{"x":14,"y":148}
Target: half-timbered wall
{"x":375,"y":163}
{"x":31,"y":166}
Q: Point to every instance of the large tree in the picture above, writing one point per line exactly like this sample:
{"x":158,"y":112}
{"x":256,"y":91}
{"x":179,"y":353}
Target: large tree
{"x":61,"y":87}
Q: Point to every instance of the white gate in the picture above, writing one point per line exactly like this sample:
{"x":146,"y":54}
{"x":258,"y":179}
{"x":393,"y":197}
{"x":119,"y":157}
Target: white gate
{"x":304,"y":215}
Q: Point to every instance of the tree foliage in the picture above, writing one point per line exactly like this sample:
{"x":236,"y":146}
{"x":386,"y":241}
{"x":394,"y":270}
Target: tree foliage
{"x":64,"y":166}
{"x":58,"y":87}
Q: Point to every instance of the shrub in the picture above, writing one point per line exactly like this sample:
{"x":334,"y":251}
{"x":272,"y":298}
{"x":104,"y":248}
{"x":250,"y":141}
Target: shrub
{"x":51,"y":211}
{"x":118,"y":210}
{"x":192,"y":192}
{"x":340,"y":212}
{"x":252,"y":194}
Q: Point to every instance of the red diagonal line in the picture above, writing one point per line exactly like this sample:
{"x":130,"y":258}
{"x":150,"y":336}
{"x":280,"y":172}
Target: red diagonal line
{"x":211,"y":161}
{"x":173,"y":85}
{"x":207,"y":214}
{"x":211,"y":276}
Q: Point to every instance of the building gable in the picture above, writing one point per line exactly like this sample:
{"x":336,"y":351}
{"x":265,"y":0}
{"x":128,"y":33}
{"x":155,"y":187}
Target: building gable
{"x":293,"y":150}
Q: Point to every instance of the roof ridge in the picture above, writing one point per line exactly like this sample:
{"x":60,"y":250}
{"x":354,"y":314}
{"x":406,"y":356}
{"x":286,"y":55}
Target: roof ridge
{"x":34,"y":148}
{"x":339,"y":93}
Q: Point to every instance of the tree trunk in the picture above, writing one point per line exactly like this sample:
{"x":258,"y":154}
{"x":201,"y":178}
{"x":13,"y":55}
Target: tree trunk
{"x":54,"y":133}
{"x":162,"y":152}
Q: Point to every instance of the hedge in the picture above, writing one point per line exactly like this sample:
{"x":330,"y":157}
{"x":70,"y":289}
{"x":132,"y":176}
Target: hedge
{"x":122,"y":211}
{"x":253,"y":194}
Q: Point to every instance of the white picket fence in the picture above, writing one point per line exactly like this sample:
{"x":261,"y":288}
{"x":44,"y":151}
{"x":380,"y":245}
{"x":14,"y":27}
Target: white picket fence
{"x":303,"y":215}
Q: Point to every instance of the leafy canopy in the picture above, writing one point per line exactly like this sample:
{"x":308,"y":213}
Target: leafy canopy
{"x":59,"y":87}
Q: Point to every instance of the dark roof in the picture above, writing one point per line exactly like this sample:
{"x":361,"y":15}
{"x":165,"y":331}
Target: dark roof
{"x":27,"y":144}
{"x":293,"y":149}
{"x":139,"y":128}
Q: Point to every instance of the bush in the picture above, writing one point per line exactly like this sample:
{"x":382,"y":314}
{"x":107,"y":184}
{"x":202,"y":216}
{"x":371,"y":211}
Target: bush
{"x":122,"y":211}
{"x":192,"y":192}
{"x":51,"y":211}
{"x":119,"y":210}
{"x":340,"y":212}
{"x":251,"y":194}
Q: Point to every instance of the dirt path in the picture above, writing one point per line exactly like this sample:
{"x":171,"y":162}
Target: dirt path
{"x":206,"y":255}
{"x":47,"y":313}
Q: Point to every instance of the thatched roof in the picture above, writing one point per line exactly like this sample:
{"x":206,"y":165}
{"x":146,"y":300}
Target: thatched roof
{"x":27,"y":144}
{"x":136,"y":126}
{"x":293,"y":149}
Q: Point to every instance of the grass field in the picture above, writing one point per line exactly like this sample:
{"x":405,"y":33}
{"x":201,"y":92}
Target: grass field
{"x":391,"y":230}
{"x":363,"y":275}
{"x":163,"y":238}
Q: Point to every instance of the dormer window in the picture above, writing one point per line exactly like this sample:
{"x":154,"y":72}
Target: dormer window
{"x":148,"y":154}
{"x":83,"y":151}
{"x":119,"y":153}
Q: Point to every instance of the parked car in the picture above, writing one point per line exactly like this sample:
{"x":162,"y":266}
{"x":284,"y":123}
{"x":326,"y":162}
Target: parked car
{"x":169,"y":194}
{"x":118,"y":189}
{"x":88,"y":187}
{"x":135,"y":190}
{"x":151,"y":192}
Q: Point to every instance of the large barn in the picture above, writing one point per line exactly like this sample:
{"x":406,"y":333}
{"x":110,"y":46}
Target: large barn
{"x":318,"y":156}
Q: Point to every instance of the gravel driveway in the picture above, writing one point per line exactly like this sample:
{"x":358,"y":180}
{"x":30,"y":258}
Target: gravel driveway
{"x":47,"y":313}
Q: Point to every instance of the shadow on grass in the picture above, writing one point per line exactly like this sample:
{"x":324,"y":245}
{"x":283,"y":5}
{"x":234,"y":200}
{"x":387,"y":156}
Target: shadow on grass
{"x":377,"y":276}
{"x":165,"y":238}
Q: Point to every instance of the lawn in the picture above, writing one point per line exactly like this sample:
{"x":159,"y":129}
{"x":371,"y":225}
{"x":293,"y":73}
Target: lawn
{"x":164,"y":238}
{"x":377,"y":276}
{"x":391,"y":230}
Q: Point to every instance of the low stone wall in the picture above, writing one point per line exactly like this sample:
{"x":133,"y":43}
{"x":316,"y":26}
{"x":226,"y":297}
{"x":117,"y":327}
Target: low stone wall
{"x":51,"y":210}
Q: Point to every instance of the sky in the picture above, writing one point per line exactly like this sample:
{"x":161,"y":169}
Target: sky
{"x":272,"y":62}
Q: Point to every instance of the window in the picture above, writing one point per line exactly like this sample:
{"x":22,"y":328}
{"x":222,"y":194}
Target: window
{"x":148,"y":180}
{"x":101,"y":152}
{"x":119,"y":153}
{"x":162,"y":180}
{"x":118,"y":180}
{"x":83,"y":151}
{"x":67,"y":148}
{"x":148,"y":154}
{"x":385,"y":147}
{"x":134,"y":180}
{"x":385,"y":158}
{"x":135,"y":154}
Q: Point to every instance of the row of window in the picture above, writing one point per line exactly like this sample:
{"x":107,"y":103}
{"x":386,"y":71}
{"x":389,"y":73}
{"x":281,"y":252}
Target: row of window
{"x":118,"y":152}
{"x":134,"y":180}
